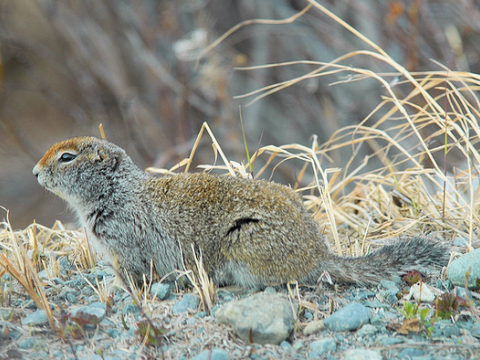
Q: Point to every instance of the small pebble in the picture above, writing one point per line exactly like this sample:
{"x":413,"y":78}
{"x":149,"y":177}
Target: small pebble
{"x":387,"y":341}
{"x":313,"y":327}
{"x":367,"y":330}
{"x":285,"y":345}
{"x":25,"y":344}
{"x":262,"y":318}
{"x":469,"y":262}
{"x":201,"y":314}
{"x":351,"y":317}
{"x":460,"y":241}
{"x":161,"y":291}
{"x":297,"y":345}
{"x":361,"y":354}
{"x":113,"y":333}
{"x":409,"y":353}
{"x":189,"y":301}
{"x":43,"y":275}
{"x":270,"y":290}
{"x":71,"y":298}
{"x":215,"y":354}
{"x":362,"y":295}
{"x":451,"y":330}
{"x":320,"y":347}
{"x":91,"y":357}
{"x":464,"y":324}
{"x":475,"y":331}
{"x":58,"y":281}
{"x":37,"y":318}
{"x":463,"y":293}
{"x":389,"y":296}
{"x":90,"y":310}
{"x":389,"y":285}
{"x":130,"y":309}
{"x":308,"y":315}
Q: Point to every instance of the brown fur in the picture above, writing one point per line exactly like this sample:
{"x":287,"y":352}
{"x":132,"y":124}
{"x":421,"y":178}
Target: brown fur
{"x":251,"y":233}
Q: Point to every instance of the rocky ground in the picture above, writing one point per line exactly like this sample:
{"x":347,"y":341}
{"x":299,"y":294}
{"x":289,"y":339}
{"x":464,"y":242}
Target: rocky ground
{"x":331,"y":322}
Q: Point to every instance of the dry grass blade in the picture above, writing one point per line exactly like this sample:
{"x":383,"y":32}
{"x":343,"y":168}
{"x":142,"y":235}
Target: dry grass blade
{"x":250,"y":22}
{"x":424,"y":131}
{"x":202,"y":283}
{"x":26,"y":275}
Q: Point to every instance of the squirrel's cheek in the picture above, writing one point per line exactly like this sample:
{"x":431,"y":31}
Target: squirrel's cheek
{"x":41,"y":179}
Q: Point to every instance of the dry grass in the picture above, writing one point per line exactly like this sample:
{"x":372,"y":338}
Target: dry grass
{"x":426,"y":143}
{"x":26,"y":252}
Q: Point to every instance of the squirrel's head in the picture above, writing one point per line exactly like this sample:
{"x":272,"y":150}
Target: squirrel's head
{"x":82,"y":170}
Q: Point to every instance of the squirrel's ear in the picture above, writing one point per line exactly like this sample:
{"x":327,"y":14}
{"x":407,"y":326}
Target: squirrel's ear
{"x":101,"y":155}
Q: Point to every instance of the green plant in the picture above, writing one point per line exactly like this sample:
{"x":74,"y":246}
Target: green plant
{"x":149,"y":333}
{"x":409,"y":310}
{"x":412,"y":277}
{"x":415,"y":318}
{"x":447,"y":304}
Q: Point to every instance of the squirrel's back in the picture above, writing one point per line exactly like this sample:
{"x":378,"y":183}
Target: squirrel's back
{"x":248,"y":232}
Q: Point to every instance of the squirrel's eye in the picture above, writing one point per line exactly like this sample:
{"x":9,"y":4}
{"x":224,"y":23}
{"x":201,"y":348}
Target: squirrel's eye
{"x":66,"y":157}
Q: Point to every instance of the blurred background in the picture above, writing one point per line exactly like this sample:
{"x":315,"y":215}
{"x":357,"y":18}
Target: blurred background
{"x":66,"y":66}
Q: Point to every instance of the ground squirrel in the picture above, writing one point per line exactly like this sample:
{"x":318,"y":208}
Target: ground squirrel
{"x":251,"y":233}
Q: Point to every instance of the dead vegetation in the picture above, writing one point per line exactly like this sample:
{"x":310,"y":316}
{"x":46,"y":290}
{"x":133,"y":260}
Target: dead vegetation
{"x":420,"y":174}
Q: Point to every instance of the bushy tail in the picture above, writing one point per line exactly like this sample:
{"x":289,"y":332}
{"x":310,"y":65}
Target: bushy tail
{"x":390,"y":261}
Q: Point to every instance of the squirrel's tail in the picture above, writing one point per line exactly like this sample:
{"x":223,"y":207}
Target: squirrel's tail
{"x":402,"y":255}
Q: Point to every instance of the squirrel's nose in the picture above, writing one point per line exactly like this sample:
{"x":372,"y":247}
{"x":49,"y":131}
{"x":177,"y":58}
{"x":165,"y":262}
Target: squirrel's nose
{"x":36,"y":170}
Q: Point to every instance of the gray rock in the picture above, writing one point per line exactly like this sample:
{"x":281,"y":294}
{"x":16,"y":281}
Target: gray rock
{"x":43,"y":275}
{"x":351,"y":317}
{"x":387,"y":341}
{"x":320,"y":347}
{"x":65,"y":266}
{"x":130,"y":308}
{"x":285,"y":345}
{"x":475,"y":331}
{"x":25,"y":344}
{"x":91,"y":357}
{"x":58,"y":281}
{"x":362,"y":295}
{"x":201,"y":314}
{"x":390,"y":293}
{"x":95,"y":309}
{"x":409,"y":353}
{"x":313,"y":327}
{"x":458,"y":267}
{"x":361,"y":354}
{"x":297,"y":345}
{"x":460,"y":241}
{"x":266,"y":317}
{"x":464,"y":324}
{"x":71,"y":298}
{"x":367,"y":330}
{"x":113,"y":333}
{"x":389,"y":296}
{"x":36,"y":318}
{"x":462,"y":292}
{"x":189,"y":301}
{"x":161,"y":291}
{"x":270,"y":290}
{"x":99,"y":305}
{"x":308,"y":315}
{"x":451,"y":330}
{"x":215,"y":354}
{"x":389,"y":285}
